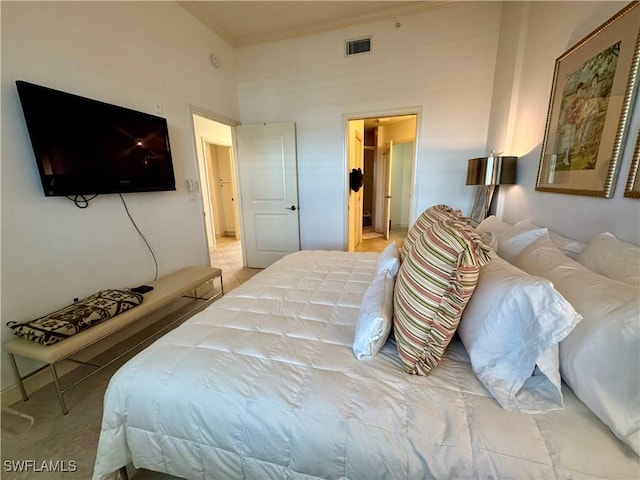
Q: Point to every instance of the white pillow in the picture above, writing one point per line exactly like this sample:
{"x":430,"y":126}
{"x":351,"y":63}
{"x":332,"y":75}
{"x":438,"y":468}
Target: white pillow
{"x":510,"y":246}
{"x":568,"y":246}
{"x":389,"y":259}
{"x":599,"y":359}
{"x":511,"y":239}
{"x":376,"y":316}
{"x":511,"y":329}
{"x":490,"y":239}
{"x":608,"y":256}
{"x":495,"y":225}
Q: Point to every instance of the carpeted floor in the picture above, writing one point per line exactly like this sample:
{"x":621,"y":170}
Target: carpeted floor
{"x":66,"y":441}
{"x":71,"y":438}
{"x":14,"y":423}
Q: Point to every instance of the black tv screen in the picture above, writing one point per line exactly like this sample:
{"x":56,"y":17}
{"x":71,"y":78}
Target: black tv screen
{"x":86,"y":147}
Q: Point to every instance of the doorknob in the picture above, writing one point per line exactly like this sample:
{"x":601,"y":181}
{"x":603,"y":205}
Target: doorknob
{"x":292,"y":207}
{"x":388,"y":196}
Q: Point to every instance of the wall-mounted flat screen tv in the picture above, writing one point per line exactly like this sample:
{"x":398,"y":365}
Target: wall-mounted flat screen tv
{"x":86,"y":147}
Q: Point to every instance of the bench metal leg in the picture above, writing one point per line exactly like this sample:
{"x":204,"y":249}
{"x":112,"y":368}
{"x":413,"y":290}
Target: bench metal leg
{"x":123,"y":473}
{"x":54,"y":374}
{"x":14,"y":365}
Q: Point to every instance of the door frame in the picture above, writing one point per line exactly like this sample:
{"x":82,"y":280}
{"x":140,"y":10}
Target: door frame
{"x":415,"y":179}
{"x":387,"y":168}
{"x":354,"y":199}
{"x":198,"y":143}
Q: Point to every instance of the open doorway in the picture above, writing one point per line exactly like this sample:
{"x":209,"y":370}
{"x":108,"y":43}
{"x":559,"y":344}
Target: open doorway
{"x":222,"y":186}
{"x":383,"y":149}
{"x":217,"y":183}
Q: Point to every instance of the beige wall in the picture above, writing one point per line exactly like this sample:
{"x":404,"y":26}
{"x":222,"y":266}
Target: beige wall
{"x":400,"y":132}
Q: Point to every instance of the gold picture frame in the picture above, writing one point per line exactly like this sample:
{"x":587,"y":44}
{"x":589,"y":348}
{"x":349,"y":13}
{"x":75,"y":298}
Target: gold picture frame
{"x":593,"y":90}
{"x":632,"y":190}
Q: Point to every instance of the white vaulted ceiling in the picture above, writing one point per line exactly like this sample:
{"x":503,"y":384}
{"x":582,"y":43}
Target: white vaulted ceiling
{"x":242,"y":23}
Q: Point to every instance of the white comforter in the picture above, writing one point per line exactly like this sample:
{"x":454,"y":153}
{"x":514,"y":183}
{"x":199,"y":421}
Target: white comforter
{"x":264,"y":385}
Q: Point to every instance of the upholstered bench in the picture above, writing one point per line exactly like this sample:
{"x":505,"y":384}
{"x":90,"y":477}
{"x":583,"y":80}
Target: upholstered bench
{"x":167,"y":289}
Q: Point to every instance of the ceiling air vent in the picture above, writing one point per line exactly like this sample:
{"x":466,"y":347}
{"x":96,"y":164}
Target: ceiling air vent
{"x":361,"y":45}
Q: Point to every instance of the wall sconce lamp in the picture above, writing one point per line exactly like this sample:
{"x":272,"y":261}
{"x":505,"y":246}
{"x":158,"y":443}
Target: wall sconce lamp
{"x":487,"y":173}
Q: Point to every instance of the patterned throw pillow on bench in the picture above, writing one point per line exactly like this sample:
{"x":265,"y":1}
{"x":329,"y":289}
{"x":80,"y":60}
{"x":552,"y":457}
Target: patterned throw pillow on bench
{"x":77,"y":317}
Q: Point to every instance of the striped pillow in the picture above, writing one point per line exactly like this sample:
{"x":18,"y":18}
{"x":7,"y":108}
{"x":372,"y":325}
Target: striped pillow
{"x":435,"y":214}
{"x":433,"y":287}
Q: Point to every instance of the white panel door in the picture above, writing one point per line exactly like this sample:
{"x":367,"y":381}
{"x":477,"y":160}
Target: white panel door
{"x":268,"y":178}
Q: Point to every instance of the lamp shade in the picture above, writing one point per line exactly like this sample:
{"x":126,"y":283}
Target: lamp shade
{"x":491,"y":171}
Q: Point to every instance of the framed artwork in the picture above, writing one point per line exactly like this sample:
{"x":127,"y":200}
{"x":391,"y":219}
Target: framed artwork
{"x":593,"y":90}
{"x":632,"y":189}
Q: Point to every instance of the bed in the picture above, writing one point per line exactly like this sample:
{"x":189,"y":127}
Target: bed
{"x":264,"y":384}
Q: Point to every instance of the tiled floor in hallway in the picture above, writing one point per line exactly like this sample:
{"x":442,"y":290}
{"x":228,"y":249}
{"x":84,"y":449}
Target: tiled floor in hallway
{"x":379,"y":243}
{"x":228,"y":257}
